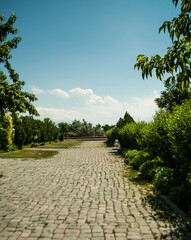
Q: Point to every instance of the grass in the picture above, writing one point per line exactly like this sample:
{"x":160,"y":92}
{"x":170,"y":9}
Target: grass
{"x":63,"y":144}
{"x":35,"y":154}
{"x":39,"y":154}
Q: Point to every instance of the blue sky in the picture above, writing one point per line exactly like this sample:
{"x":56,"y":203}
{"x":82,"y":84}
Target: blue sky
{"x":78,"y":56}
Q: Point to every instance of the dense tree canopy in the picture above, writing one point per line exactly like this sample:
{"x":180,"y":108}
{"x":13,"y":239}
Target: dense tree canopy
{"x":12,"y":98}
{"x":176,"y":62}
{"x":171,"y":96}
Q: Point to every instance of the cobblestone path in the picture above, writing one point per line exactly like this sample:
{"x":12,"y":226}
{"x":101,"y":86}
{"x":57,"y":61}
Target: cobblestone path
{"x":78,"y":194}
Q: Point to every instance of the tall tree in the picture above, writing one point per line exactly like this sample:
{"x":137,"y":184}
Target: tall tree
{"x":12,"y":98}
{"x":176,"y":62}
{"x":171,"y":96}
{"x":123,"y":121}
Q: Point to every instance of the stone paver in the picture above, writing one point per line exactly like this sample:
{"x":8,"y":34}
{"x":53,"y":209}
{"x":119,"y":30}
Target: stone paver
{"x":78,"y":194}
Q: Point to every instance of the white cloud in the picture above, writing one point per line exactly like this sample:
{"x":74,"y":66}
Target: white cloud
{"x":143,"y":108}
{"x":59,"y":115}
{"x":88,"y":96}
{"x":37,"y":90}
{"x":59,"y":93}
{"x":97,"y":109}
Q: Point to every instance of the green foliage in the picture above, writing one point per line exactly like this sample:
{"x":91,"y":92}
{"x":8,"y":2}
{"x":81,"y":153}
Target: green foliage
{"x":164,"y":179}
{"x":176,"y":62}
{"x":123,"y":121}
{"x":132,"y":135}
{"x":135,"y":157}
{"x":20,"y":134}
{"x":32,"y":131}
{"x":169,"y":138}
{"x":172,"y":97}
{"x":107,"y":127}
{"x":164,"y":159}
{"x":129,"y":155}
{"x":12,"y":98}
{"x":149,"y":168}
{"x":111,"y":135}
{"x":157,"y":138}
{"x":84,"y":128}
{"x":64,"y":129}
{"x":6,"y":131}
{"x":139,"y":158}
{"x":179,"y":135}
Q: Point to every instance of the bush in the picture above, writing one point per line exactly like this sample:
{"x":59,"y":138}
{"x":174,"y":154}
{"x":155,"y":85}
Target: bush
{"x":6,"y":127}
{"x":179,"y":135}
{"x":20,"y":135}
{"x":4,"y":142}
{"x":139,"y":158}
{"x":132,"y":136}
{"x":111,"y":135}
{"x":129,"y":155}
{"x":61,"y":137}
{"x":149,"y":168}
{"x":157,"y":138}
{"x":169,"y":137}
{"x":164,"y":179}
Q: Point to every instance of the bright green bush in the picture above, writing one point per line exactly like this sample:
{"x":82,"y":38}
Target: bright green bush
{"x":139,"y":158}
{"x":169,"y":137}
{"x":4,"y":143}
{"x":157,"y":138}
{"x":132,"y":136}
{"x":149,"y":168}
{"x":179,"y":136}
{"x":129,"y":155}
{"x":111,"y":135}
{"x":164,"y":179}
{"x":6,"y":130}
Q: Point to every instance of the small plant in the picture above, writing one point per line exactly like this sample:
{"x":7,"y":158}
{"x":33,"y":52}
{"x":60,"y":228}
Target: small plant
{"x":45,"y":224}
{"x":164,"y":179}
{"x":149,"y":168}
{"x":139,"y":158}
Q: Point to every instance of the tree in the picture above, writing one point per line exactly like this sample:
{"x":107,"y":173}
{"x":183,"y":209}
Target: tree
{"x":176,"y":62}
{"x":20,"y":134}
{"x":12,"y":98}
{"x":64,"y":129}
{"x":107,"y":127}
{"x":98,"y":130}
{"x":123,"y":121}
{"x":6,"y":130}
{"x":171,"y":96}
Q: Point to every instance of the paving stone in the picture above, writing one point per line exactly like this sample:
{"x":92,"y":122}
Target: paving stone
{"x":79,"y":194}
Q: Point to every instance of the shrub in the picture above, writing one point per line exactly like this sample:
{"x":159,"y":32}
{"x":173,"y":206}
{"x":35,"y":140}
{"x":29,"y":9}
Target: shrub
{"x":131,"y":135}
{"x":61,"y":137}
{"x":179,"y":135}
{"x":157,"y":138}
{"x":20,"y":136}
{"x":129,"y":155}
{"x":149,"y":168}
{"x":164,"y":179}
{"x":111,"y":135}
{"x":169,"y":137}
{"x":139,"y":158}
{"x":6,"y":127}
